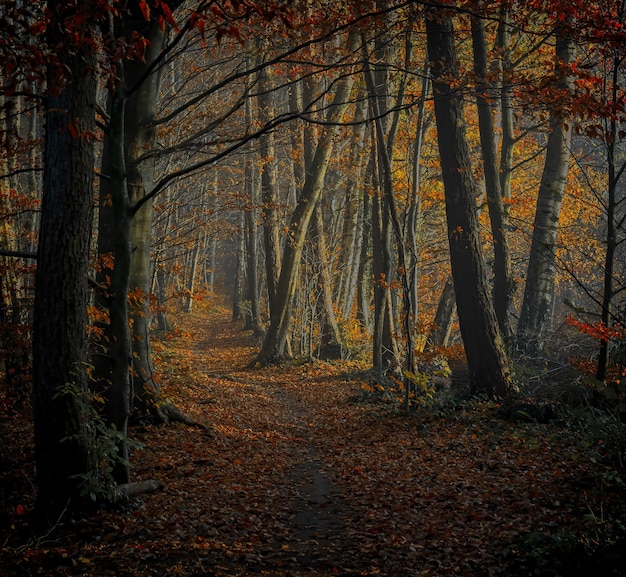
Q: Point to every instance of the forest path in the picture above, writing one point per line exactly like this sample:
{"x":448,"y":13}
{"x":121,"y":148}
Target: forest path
{"x":267,"y":420}
{"x":297,"y":479}
{"x":304,"y":470}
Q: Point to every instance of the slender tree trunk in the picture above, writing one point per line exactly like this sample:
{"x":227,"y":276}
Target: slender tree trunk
{"x":384,"y":354}
{"x":502,"y":260}
{"x":414,"y":211}
{"x":63,"y":439}
{"x":330,"y":336}
{"x":253,"y":315}
{"x":444,"y":316}
{"x":612,"y":226}
{"x":536,"y":313}
{"x":190,"y":287}
{"x":269,"y":193}
{"x":353,"y":219}
{"x":118,"y":333}
{"x":484,"y":348}
{"x":506,"y":109}
{"x":276,"y":339}
{"x":239,"y":291}
{"x":364,"y":282}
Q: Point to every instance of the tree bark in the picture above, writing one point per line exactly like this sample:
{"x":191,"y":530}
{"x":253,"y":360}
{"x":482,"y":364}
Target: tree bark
{"x":484,"y":348}
{"x":118,"y":331}
{"x":141,"y":138}
{"x":612,"y":226}
{"x":441,"y":329}
{"x":330,"y":336}
{"x":253,"y":314}
{"x":536,"y":313}
{"x":63,"y":436}
{"x":352,"y":236}
{"x":501,"y":253}
{"x":269,"y":193}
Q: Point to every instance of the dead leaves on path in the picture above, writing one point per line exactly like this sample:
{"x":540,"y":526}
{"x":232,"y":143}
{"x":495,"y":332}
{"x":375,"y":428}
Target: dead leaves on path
{"x":448,"y":497}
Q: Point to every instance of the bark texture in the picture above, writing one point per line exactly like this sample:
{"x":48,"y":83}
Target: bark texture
{"x":63,"y":438}
{"x":537,"y":306}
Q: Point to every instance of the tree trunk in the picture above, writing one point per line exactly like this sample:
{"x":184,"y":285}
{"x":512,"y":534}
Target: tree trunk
{"x":386,"y":353}
{"x":536,"y":313}
{"x":352,"y":236}
{"x":506,"y":107}
{"x":502,"y":260}
{"x":330,"y":337}
{"x":444,"y":316}
{"x":414,"y":215}
{"x":276,"y":339}
{"x":253,"y":314}
{"x":364,"y":277}
{"x":140,"y":139}
{"x":269,"y":193}
{"x":64,"y":456}
{"x":239,"y":289}
{"x":484,"y":348}
{"x":118,"y":332}
{"x":612,"y":226}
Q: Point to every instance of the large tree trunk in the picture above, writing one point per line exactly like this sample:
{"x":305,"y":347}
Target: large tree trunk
{"x":484,"y":348}
{"x":64,"y":454}
{"x":140,"y":136}
{"x":536,"y":313}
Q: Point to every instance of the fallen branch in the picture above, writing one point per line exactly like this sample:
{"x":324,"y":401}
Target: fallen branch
{"x":135,"y":488}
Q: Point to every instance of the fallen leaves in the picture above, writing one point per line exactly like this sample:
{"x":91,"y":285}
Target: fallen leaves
{"x":293,"y":478}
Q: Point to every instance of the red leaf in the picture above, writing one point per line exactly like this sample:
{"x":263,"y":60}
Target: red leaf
{"x":168,"y":15}
{"x":145,"y":9}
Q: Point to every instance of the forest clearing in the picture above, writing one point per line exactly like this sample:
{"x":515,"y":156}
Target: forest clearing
{"x":301,"y":472}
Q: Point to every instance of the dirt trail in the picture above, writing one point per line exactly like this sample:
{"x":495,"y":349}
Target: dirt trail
{"x":292,"y":478}
{"x":304,"y":482}
{"x":314,"y":513}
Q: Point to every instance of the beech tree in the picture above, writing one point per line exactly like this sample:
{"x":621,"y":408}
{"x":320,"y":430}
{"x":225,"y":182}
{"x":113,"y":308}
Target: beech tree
{"x":536,"y":313}
{"x":484,"y":347}
{"x":502,"y":293}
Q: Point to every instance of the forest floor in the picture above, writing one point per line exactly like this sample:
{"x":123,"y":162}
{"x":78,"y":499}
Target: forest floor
{"x":302,"y":472}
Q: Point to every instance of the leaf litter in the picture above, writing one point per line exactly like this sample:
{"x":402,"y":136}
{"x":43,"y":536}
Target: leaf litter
{"x":295,"y":478}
